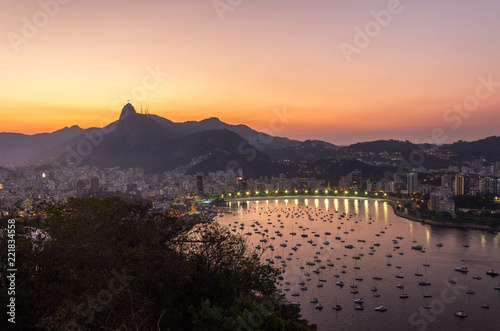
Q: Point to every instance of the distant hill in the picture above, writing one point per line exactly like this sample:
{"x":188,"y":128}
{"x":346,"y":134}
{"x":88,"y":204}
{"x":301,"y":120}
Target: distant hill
{"x":158,"y":144}
{"x":140,"y":141}
{"x":253,"y":137}
{"x":405,"y":150}
{"x":332,"y":170}
{"x":260,"y":166}
{"x":488,"y":149}
{"x":309,"y":150}
{"x":140,"y":128}
{"x":17,"y":147}
{"x":390,"y":146}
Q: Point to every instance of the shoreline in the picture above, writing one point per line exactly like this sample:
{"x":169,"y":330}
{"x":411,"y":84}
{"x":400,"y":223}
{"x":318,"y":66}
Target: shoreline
{"x":392,"y":203}
{"x":466,"y":226}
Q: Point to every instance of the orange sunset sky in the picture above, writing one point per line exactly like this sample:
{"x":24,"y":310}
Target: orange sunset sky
{"x":66,"y":63}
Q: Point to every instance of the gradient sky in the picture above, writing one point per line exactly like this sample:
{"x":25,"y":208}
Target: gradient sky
{"x":82,"y":64}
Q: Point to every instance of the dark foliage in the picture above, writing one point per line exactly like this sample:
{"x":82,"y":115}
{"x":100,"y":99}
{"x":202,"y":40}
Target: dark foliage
{"x":112,"y":265}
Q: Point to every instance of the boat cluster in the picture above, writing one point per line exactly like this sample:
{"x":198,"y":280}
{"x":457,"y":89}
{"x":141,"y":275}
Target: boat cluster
{"x":271,"y":238}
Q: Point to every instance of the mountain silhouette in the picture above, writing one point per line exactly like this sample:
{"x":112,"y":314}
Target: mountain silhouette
{"x":158,"y":144}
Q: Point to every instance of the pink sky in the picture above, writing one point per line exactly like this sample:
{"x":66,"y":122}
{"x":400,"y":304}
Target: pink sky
{"x":87,"y":58}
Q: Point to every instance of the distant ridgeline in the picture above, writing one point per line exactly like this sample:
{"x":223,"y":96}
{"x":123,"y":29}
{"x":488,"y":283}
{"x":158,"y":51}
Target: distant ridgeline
{"x":158,"y":144}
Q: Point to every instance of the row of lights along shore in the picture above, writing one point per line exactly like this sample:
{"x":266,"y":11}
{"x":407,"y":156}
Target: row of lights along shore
{"x":286,"y":192}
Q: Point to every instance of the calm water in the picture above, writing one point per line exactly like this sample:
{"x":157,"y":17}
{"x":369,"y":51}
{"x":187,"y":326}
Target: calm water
{"x":374,"y":223}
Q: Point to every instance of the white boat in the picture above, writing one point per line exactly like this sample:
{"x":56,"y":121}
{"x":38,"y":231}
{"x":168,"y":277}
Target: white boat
{"x":462,"y":269}
{"x":492,"y":273}
{"x":319,"y":306}
{"x":381,"y":308}
{"x":460,"y":314}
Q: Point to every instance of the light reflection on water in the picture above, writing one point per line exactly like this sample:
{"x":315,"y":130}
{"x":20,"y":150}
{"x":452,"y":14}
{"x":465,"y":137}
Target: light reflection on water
{"x":482,"y":255}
